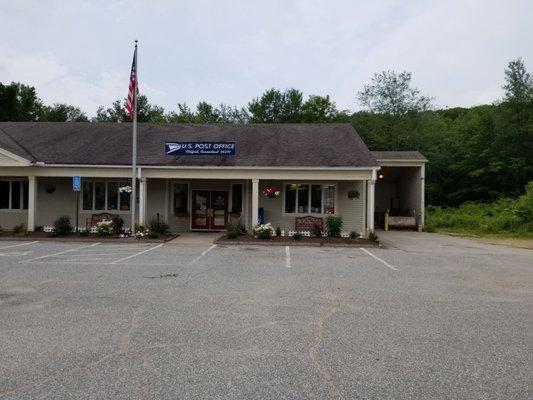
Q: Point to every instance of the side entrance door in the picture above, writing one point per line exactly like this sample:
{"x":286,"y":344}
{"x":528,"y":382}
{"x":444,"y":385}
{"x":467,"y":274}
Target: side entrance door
{"x":210,"y":209}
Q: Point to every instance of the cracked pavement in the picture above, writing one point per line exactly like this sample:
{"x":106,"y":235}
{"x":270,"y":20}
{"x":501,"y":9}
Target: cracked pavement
{"x":453,"y":321}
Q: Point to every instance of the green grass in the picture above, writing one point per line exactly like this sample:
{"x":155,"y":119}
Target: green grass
{"x":502,"y":218}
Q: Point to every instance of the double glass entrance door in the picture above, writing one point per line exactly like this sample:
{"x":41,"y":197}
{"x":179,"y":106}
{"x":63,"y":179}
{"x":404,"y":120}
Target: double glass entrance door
{"x":210,"y":209}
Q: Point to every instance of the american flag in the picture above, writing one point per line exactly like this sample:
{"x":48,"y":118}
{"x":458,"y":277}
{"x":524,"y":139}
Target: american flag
{"x":134,"y":87}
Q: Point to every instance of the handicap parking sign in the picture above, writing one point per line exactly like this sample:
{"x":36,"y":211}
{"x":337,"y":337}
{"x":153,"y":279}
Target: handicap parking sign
{"x":76,"y":183}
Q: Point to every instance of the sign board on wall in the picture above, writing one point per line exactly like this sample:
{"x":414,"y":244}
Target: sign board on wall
{"x":200,"y":148}
{"x":76,"y":183}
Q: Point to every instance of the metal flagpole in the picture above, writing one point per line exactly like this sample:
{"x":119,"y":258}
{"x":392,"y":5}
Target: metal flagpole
{"x":133,"y":198}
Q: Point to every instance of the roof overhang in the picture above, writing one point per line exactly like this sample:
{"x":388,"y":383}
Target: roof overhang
{"x":401,"y":163}
{"x":177,"y":172}
{"x":9,"y":159}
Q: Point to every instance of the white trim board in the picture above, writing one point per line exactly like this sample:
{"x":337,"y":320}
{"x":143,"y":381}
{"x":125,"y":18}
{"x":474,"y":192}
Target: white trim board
{"x":17,"y":160}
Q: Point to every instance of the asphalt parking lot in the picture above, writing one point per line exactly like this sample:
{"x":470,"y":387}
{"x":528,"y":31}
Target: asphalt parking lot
{"x":429,"y":317}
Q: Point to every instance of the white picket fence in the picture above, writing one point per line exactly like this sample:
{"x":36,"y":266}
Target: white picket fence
{"x":50,"y":228}
{"x":290,"y":233}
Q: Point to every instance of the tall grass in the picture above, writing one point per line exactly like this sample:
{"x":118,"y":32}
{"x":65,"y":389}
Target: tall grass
{"x":508,"y":217}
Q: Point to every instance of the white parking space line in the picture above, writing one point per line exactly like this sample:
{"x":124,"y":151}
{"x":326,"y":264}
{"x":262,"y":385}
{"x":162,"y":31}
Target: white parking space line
{"x":17,"y":245}
{"x":287,"y":257}
{"x":15,"y":254}
{"x":137,"y":254}
{"x":201,"y":255}
{"x":379,"y":259}
{"x":60,"y":253}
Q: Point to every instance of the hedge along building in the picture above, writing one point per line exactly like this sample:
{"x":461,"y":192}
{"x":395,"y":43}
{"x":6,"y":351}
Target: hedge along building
{"x":312,"y":169}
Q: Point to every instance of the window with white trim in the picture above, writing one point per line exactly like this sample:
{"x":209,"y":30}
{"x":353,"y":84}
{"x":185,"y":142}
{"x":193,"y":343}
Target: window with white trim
{"x":105,"y":196}
{"x":14,"y":195}
{"x":309,"y":198}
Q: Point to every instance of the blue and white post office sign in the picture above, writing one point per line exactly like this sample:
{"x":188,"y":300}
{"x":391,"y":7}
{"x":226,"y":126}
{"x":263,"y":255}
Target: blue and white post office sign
{"x":200,"y":148}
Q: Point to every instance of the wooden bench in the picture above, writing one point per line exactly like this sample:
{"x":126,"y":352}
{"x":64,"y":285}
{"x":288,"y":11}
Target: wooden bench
{"x":95,"y":218}
{"x":308,"y":223}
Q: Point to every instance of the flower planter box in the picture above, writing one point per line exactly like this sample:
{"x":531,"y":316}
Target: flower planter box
{"x":303,"y":241}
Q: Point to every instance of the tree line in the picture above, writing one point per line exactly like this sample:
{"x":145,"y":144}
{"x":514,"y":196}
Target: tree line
{"x":478,"y":153}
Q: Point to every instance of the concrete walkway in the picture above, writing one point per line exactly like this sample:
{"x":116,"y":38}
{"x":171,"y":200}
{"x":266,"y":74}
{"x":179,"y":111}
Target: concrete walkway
{"x":422,"y":241}
{"x":196,"y":238}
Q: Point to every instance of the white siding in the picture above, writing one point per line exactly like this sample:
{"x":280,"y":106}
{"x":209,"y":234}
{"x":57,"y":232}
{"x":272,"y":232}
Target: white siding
{"x":10,"y":218}
{"x":352,"y":211}
{"x":63,"y":202}
{"x":155,"y":199}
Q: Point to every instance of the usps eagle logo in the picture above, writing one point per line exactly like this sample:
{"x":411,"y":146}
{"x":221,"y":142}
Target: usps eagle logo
{"x":174,"y":147}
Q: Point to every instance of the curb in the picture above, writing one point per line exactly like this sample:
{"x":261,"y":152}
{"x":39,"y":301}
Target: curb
{"x":295,"y":243}
{"x":84,"y":239}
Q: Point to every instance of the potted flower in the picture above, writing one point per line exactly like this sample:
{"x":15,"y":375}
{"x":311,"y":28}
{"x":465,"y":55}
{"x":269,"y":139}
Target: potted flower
{"x":127,"y":190}
{"x":49,"y":188}
{"x":271,"y":192}
{"x":353,"y":194}
{"x":124,"y":189}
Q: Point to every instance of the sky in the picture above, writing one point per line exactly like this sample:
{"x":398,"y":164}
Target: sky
{"x":80,"y":51}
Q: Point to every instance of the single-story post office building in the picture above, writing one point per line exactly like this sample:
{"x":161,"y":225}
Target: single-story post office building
{"x":204,"y":176}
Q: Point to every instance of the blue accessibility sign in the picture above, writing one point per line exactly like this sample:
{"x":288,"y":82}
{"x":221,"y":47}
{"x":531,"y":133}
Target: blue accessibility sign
{"x":76,"y":183}
{"x":200,"y":148}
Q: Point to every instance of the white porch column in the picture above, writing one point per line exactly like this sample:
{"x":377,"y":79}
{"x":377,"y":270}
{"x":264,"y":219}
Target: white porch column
{"x":371,"y":202}
{"x":246,"y":205}
{"x":422,"y":197}
{"x":142,"y":201}
{"x":32,"y":202}
{"x":255,"y":201}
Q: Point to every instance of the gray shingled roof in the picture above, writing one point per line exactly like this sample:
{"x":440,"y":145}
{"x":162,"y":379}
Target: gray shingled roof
{"x":399,"y":155}
{"x":264,"y":145}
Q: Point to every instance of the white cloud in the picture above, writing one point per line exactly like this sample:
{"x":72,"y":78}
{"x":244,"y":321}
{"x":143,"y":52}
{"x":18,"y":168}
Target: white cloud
{"x":230,"y":51}
{"x":55,"y":82}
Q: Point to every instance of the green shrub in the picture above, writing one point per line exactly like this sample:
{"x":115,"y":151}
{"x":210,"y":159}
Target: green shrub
{"x":297,"y":236}
{"x":152,"y":234}
{"x":239,"y":228}
{"x":334,"y":225}
{"x":232,"y":234}
{"x":503,"y":216}
{"x":62,"y":226}
{"x":278,"y":231}
{"x":158,"y":226}
{"x":116,"y":225}
{"x":524,"y":205}
{"x":19,"y":229}
{"x":84,"y":233}
{"x":373,"y":237}
{"x":264,"y":231}
{"x":354,"y":235}
{"x":104,"y":227}
{"x":38,"y":228}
